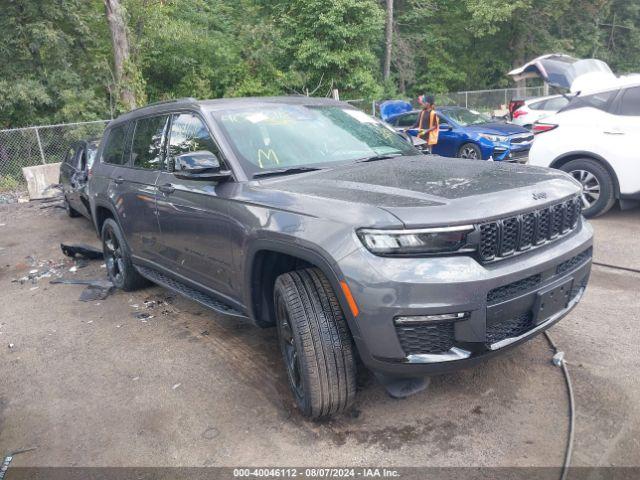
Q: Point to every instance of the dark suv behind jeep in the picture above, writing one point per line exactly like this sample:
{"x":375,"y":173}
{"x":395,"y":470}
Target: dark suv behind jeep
{"x":312,"y":216}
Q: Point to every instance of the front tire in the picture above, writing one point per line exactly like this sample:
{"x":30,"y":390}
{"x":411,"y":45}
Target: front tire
{"x":315,"y":343}
{"x":470,"y":151}
{"x":120,"y":269}
{"x":598,"y":192}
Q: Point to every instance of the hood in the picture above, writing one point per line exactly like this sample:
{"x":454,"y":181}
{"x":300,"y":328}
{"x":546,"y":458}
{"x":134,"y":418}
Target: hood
{"x":497,"y":128}
{"x":391,"y":108}
{"x":567,"y":72}
{"x":420,"y":191}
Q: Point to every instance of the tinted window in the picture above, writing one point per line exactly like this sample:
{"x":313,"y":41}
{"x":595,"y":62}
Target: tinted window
{"x":189,"y":134}
{"x":69,"y":158}
{"x":147,"y":148}
{"x":408,"y":120}
{"x":630,"y":102}
{"x":555,"y":104}
{"x":537,"y":105}
{"x":114,"y":148}
{"x":599,"y":100}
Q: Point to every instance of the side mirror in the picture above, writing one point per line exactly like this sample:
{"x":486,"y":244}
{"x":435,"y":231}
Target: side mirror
{"x":199,"y":165}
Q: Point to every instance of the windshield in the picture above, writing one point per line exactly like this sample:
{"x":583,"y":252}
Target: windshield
{"x":289,"y":136}
{"x":464,"y":117}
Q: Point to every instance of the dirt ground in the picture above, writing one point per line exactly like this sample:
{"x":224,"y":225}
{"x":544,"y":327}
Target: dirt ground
{"x":121,"y":382}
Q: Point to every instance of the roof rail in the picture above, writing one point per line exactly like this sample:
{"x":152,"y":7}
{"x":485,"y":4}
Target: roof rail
{"x":162,"y":102}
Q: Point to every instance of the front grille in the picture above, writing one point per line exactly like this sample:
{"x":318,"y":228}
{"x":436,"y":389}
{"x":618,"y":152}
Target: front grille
{"x":489,"y":240}
{"x":512,"y":289}
{"x":574,"y":261}
{"x":426,"y":338}
{"x":519,"y":154}
{"x":510,"y":229}
{"x":512,"y":327}
{"x":522,"y":138}
{"x":518,"y":233}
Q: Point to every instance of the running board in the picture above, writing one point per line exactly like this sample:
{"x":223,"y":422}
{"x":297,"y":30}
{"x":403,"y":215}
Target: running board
{"x":191,"y":293}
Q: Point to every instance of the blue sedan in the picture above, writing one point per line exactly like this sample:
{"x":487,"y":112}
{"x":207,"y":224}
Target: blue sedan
{"x":468,"y":134}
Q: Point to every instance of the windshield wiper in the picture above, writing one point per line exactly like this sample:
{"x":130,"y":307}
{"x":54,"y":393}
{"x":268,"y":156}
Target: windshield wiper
{"x":286,"y":171}
{"x":375,"y":158}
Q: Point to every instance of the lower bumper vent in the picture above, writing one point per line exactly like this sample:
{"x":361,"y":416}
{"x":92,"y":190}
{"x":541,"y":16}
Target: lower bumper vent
{"x":427,"y":338}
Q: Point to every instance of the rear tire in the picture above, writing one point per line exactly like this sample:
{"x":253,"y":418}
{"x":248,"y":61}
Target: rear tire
{"x":72,"y":212}
{"x":598,"y":191}
{"x":120,"y":269}
{"x":470,"y":151}
{"x":315,"y":342}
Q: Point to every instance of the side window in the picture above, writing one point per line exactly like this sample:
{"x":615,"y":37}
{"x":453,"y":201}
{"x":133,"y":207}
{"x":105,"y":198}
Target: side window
{"x":630,"y":102}
{"x":407,"y":120}
{"x":189,"y":134}
{"x":69,"y":158}
{"x":148,"y":141}
{"x":114,"y":148}
{"x":555,"y":104}
{"x":599,"y":100}
{"x":81,"y":162}
{"x":537,"y":105}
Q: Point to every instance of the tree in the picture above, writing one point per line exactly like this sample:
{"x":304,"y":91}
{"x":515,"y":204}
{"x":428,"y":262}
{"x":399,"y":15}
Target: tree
{"x":121,"y":53}
{"x":328,"y":44}
{"x":388,"y":41}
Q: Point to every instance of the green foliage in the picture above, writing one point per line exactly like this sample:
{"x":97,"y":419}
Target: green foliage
{"x":57,"y":55}
{"x":51,"y":53}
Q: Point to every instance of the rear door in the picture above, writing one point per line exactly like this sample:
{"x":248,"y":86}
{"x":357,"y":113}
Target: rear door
{"x":193,"y":216}
{"x":143,"y":161}
{"x":67,"y":171}
{"x":79,"y":181}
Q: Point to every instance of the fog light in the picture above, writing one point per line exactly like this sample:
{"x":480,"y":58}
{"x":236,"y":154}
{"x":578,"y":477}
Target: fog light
{"x":442,"y":317}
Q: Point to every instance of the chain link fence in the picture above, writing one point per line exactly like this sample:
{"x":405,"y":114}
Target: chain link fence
{"x":24,"y":147}
{"x":486,"y":101}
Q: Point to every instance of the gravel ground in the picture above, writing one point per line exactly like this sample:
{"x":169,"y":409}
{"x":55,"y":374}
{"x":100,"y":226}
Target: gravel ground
{"x":150,"y":378}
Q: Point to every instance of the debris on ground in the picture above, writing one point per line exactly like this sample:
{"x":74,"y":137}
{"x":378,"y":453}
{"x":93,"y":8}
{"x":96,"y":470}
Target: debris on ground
{"x":96,"y":289}
{"x":5,"y":466}
{"x":81,"y":250}
{"x":58,"y":204}
{"x":11,"y":345}
{"x":45,"y":269}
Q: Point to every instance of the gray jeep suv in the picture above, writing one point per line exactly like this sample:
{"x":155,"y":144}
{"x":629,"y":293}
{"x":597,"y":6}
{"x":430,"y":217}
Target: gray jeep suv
{"x":309,"y":215}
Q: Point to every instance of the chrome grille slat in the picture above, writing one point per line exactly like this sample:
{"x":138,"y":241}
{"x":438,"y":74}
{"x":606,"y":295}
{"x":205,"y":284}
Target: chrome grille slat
{"x":510,"y":235}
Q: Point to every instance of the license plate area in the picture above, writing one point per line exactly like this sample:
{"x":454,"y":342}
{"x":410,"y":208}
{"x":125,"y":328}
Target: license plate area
{"x":552,"y":300}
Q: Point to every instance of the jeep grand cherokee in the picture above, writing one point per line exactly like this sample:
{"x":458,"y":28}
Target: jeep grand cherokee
{"x":309,"y":215}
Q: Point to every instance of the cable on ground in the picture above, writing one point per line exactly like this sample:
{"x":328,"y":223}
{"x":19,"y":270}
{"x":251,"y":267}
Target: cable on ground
{"x":559,"y":361}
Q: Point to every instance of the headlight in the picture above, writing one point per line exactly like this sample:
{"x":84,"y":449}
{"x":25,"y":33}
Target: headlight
{"x":494,"y":138}
{"x":426,"y":240}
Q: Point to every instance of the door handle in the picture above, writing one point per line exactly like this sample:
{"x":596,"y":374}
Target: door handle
{"x":167,"y":188}
{"x":614,"y":132}
{"x":118,"y":180}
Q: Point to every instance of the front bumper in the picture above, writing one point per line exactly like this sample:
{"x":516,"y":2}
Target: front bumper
{"x":501,"y":302}
{"x":511,"y":153}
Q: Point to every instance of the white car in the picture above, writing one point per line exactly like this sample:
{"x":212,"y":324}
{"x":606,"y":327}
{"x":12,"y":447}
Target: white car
{"x":535,"y":109}
{"x":595,"y":136}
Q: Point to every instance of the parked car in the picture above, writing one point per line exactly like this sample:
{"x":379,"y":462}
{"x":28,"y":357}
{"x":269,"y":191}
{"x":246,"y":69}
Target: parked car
{"x":308,"y":215}
{"x":74,"y":173}
{"x":468,"y":134}
{"x":535,"y":109}
{"x":594,"y":137}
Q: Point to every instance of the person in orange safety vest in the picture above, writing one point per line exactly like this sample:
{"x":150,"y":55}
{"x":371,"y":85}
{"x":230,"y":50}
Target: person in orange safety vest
{"x":428,"y":124}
